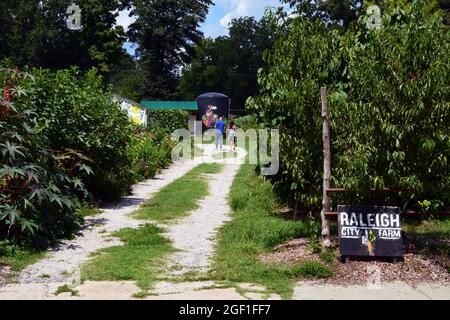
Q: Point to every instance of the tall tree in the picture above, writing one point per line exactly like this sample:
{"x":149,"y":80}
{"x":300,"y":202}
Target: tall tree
{"x":229,"y":64}
{"x":37,"y":34}
{"x":128,"y":78}
{"x":166,"y":32}
{"x":335,"y":12}
{"x":344,"y":12}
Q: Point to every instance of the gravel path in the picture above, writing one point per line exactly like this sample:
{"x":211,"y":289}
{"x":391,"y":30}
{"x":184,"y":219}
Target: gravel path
{"x":64,"y":260}
{"x":196,"y":251}
{"x":193,"y":235}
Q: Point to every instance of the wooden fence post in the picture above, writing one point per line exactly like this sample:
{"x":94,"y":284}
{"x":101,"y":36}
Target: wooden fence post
{"x":326,"y":204}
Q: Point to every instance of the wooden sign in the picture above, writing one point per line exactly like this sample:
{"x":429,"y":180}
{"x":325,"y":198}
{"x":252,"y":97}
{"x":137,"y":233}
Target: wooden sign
{"x":370,"y":231}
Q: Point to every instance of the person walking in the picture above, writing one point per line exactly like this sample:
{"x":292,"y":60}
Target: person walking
{"x":232,"y":136}
{"x":220,"y":131}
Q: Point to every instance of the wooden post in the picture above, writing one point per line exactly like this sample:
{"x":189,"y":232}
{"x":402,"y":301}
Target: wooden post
{"x":326,"y":204}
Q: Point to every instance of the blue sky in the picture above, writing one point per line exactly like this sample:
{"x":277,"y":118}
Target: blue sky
{"x":220,"y":14}
{"x":225,"y":10}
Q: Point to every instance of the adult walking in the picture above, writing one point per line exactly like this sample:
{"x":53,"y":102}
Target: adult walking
{"x":220,"y":131}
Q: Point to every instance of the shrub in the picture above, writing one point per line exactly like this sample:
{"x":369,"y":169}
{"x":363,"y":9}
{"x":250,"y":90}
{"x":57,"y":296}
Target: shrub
{"x":167,"y":120}
{"x":74,"y":111}
{"x":39,"y":188}
{"x":247,"y":122}
{"x":149,"y":152}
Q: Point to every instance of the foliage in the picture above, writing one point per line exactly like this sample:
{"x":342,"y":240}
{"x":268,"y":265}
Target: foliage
{"x":247,"y":122}
{"x":148,"y":153}
{"x":63,"y":138}
{"x":430,"y":228}
{"x":398,"y":92}
{"x":229,"y":64}
{"x":388,"y":103}
{"x":73,"y":111}
{"x":289,"y":101}
{"x":39,"y":186}
{"x":165,"y":32}
{"x":128,"y":79}
{"x":167,"y":121}
{"x":17,"y":257}
{"x":341,"y":12}
{"x":34,"y":33}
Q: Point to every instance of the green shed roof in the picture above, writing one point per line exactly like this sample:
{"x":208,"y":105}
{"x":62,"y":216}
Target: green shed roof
{"x":170,"y":105}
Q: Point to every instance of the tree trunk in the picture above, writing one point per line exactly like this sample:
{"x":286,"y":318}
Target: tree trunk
{"x":326,"y":205}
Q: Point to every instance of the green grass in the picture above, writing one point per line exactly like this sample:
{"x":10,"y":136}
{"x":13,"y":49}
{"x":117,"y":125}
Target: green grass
{"x":433,"y":228}
{"x":88,"y":211}
{"x":66,"y":289}
{"x":140,"y":259}
{"x":18,"y":258}
{"x":254,"y":230}
{"x":180,"y":197}
{"x":311,"y":269}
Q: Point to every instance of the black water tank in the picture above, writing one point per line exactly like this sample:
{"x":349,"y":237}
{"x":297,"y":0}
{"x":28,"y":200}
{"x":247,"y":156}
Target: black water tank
{"x":211,"y":106}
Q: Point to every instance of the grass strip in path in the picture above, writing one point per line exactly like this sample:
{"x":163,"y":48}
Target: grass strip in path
{"x":143,"y":254}
{"x":180,"y":197}
{"x":19,"y":258}
{"x":139,"y":259}
{"x":255,"y":230}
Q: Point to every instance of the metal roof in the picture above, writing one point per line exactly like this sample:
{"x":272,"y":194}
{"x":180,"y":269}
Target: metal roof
{"x":170,"y":105}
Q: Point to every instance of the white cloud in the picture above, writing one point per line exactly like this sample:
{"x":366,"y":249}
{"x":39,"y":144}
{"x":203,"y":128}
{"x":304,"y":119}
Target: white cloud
{"x":240,"y":8}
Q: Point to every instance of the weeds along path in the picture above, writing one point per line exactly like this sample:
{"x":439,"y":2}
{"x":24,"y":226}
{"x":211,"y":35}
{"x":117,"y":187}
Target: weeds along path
{"x":65,"y":259}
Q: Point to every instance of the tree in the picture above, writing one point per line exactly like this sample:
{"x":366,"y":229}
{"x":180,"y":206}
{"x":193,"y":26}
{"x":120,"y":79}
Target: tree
{"x":344,"y":12}
{"x":37,"y":35}
{"x":335,"y":12}
{"x":229,"y":64}
{"x":128,"y":78}
{"x":388,"y":101}
{"x":166,"y":32}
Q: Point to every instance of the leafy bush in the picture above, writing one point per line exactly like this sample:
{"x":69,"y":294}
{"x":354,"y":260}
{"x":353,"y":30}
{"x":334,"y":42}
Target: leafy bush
{"x":64,"y":139}
{"x":148,"y":153}
{"x":73,"y":111}
{"x":388,"y":107}
{"x":39,"y":188}
{"x":247,"y":122}
{"x":167,"y":120}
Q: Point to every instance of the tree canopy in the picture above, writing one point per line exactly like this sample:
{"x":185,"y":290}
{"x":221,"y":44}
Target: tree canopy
{"x":166,"y":32}
{"x":229,"y":64}
{"x":35,"y":33}
{"x":388,"y":103}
